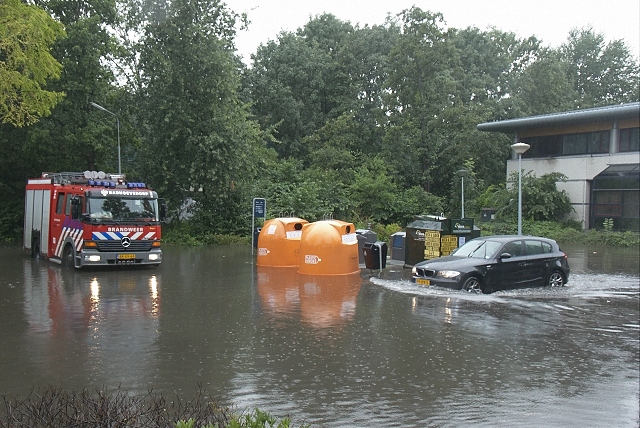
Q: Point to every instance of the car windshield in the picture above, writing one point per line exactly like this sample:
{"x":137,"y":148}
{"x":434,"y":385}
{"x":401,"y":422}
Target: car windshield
{"x":478,"y":249}
{"x":117,"y":209}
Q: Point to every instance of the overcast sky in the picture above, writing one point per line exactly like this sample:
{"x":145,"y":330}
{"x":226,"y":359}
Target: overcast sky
{"x":548,"y":20}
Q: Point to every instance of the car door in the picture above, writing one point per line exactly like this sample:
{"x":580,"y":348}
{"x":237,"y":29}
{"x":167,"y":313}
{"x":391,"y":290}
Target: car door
{"x":513,"y":268}
{"x":56,"y":225}
{"x":538,"y":258}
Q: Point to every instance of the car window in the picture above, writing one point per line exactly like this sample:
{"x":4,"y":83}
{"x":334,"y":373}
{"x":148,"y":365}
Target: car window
{"x":478,"y":249}
{"x":514,"y":248}
{"x":533,"y":247}
{"x":59,"y":203}
{"x":547,"y":248}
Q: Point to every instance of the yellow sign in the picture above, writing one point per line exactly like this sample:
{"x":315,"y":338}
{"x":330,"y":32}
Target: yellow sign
{"x":431,"y":244}
{"x":448,"y":243}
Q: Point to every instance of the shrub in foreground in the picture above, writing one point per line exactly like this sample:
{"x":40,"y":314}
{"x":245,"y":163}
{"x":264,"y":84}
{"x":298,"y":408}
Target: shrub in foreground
{"x":54,"y":407}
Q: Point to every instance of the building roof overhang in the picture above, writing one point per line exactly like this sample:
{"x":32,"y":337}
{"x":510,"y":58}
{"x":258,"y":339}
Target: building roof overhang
{"x":598,"y":114}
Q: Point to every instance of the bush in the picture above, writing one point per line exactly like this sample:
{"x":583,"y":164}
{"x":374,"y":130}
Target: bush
{"x":569,"y":231}
{"x":54,"y":407}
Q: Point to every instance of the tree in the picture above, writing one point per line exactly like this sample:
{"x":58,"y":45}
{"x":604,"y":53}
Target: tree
{"x":302,"y":80}
{"x":541,"y":199}
{"x":422,"y":76}
{"x":601,"y":74}
{"x":197,"y":139}
{"x":543,"y":86}
{"x":26,"y":35}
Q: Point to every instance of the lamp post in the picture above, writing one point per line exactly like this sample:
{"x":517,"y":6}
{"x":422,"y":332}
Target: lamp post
{"x":462,"y":174}
{"x":520,"y":148}
{"x":99,"y":107}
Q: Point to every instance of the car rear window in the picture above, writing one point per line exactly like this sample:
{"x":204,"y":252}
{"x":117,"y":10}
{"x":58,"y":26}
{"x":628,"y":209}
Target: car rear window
{"x":537,"y":247}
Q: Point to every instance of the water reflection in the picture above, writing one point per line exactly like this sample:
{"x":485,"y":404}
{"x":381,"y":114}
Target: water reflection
{"x":330,"y":351}
{"x":319,"y":301}
{"x":95,"y":327}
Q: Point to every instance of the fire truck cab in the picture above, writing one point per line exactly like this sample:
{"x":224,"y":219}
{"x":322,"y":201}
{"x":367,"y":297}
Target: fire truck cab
{"x":92,"y":219}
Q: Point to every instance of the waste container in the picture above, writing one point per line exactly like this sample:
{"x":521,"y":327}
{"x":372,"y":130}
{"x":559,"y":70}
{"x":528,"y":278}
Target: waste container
{"x":364,"y":236}
{"x":279,"y":242}
{"x":423,"y":239}
{"x":328,"y":247}
{"x":463,"y":229}
{"x":375,"y":255}
{"x":488,"y":214}
{"x":397,"y":245}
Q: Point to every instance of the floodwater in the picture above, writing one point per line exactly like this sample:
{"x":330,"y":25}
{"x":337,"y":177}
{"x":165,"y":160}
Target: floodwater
{"x":356,"y":351}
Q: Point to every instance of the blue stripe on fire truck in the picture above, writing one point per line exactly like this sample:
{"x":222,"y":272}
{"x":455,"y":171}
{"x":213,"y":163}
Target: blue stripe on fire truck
{"x":116,"y":236}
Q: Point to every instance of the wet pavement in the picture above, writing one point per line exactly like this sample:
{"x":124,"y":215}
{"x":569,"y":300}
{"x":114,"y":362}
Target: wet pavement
{"x":371,"y":349}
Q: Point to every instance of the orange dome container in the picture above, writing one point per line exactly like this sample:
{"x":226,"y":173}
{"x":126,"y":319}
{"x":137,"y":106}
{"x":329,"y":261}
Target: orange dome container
{"x":279,"y":242}
{"x":328,"y":247}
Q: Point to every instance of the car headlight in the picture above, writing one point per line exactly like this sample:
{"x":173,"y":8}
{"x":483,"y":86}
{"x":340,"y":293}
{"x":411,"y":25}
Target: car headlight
{"x":448,"y":273}
{"x":413,"y":271}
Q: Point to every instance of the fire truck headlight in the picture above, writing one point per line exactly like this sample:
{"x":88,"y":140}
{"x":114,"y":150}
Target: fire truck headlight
{"x":92,"y":258}
{"x":153,"y":257}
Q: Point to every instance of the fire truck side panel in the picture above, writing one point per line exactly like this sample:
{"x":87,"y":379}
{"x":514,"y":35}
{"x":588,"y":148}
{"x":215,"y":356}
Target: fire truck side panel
{"x":36,"y":219}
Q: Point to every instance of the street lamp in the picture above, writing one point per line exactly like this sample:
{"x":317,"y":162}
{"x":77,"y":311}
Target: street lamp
{"x":520,"y":148}
{"x":99,"y":107}
{"x":462,"y":174}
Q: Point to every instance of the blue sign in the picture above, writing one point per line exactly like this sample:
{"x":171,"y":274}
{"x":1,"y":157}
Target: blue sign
{"x":259,"y":207}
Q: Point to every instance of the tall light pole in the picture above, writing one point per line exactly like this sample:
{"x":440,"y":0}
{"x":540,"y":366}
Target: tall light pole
{"x":99,"y":107}
{"x":462,"y":174}
{"x":520,"y":148}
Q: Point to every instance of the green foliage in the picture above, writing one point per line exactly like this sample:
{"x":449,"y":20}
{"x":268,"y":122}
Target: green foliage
{"x":366,"y":124}
{"x":569,"y":231}
{"x":190,"y":233}
{"x":26,"y":35}
{"x":259,"y":419}
{"x":601,"y":74}
{"x":541,"y":200}
{"x":608,"y":225}
{"x":384,"y":232}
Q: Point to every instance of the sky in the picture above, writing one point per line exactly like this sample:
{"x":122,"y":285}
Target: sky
{"x":549,"y":20}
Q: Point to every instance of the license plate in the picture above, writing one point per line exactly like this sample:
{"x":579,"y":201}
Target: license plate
{"x":423,"y":281}
{"x":126,"y":256}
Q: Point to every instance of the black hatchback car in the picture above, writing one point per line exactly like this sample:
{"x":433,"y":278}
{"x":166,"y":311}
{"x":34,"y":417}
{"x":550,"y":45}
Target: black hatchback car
{"x":494,"y":263}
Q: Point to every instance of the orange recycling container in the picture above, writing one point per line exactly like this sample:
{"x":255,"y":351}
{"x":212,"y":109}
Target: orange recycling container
{"x":328,"y":247}
{"x":279,"y":242}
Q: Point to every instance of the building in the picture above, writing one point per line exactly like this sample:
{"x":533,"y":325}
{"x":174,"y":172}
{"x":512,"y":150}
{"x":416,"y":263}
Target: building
{"x":597,"y":149}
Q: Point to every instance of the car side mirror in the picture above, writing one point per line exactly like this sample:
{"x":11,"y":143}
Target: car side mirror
{"x":505,"y":256}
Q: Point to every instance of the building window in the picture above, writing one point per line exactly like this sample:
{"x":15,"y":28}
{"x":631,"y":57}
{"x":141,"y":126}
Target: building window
{"x":616,"y":196}
{"x":568,"y":144}
{"x":630,"y":140}
{"x":607,"y":204}
{"x":598,"y":142}
{"x":542,"y":147}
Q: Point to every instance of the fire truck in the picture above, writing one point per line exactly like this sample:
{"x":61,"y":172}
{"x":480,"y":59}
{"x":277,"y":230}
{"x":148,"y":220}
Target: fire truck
{"x":92,"y":218}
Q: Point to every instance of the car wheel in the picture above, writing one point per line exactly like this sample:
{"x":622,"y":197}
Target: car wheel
{"x":67,"y":257}
{"x":472,"y":285}
{"x":555,"y":279}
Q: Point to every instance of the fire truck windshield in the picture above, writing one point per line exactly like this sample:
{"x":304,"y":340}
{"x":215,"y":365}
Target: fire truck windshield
{"x":115,"y":209}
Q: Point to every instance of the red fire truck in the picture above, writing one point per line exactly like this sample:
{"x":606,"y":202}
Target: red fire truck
{"x":92,"y":219}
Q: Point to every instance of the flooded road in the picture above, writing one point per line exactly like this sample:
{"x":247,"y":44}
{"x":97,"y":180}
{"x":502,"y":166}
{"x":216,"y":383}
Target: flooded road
{"x":355,"y":351}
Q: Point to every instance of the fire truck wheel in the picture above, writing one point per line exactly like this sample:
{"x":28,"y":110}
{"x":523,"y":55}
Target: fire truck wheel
{"x":67,"y":257}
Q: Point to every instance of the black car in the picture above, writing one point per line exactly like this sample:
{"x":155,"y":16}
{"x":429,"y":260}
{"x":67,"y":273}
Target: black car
{"x":494,"y":263}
